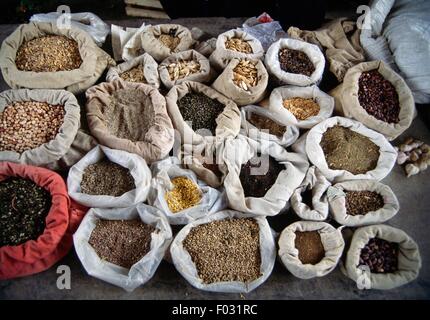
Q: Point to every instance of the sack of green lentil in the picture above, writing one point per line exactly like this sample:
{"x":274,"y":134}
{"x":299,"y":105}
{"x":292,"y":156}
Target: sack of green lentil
{"x":39,"y":55}
{"x":295,"y":62}
{"x":382,"y":257}
{"x":344,"y":149}
{"x":378,"y":97}
{"x":362,"y":202}
{"x":123,"y":246}
{"x":131,"y":117}
{"x":309,"y":200}
{"x":303,"y":107}
{"x":208,"y":262}
{"x":310,"y":249}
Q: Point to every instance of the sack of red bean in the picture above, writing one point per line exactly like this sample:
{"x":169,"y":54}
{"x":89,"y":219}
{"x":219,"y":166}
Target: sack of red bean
{"x":310,"y":249}
{"x":208,"y":262}
{"x":123,"y":246}
{"x":382,"y":257}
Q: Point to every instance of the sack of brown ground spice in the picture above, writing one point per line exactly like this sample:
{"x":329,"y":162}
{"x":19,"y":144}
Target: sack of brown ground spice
{"x":362,"y":202}
{"x":123,"y":246}
{"x":382,"y":257}
{"x":310,"y":249}
{"x":344,"y":149}
{"x":108,"y":178}
{"x":130,"y":117}
{"x":42,"y":56}
{"x":295,"y":62}
{"x":208,"y":262}
{"x":375,"y":95}
{"x":309,"y":200}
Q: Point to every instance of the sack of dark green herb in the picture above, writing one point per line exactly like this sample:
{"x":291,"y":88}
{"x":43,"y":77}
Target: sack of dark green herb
{"x":309,"y":200}
{"x":262,"y":124}
{"x":362,"y":202}
{"x":180,"y":195}
{"x":235,"y":44}
{"x":108,"y":178}
{"x":344,"y":149}
{"x":37,"y":222}
{"x":243,"y":81}
{"x":202,"y":114}
{"x":208,"y":262}
{"x":130,"y":117}
{"x":382,"y":257}
{"x":42,"y":56}
{"x":261,"y":175}
{"x":295,"y":62}
{"x":303,"y":107}
{"x":310,"y":249}
{"x":376,"y":96}
{"x":142,"y":69}
{"x":123,"y":246}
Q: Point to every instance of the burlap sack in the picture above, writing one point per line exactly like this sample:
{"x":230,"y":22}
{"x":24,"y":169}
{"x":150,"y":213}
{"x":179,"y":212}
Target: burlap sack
{"x":228,"y":122}
{"x":221,"y":56}
{"x":318,"y":185}
{"x":224,"y":84}
{"x":94,"y":60}
{"x":331,"y":239}
{"x":238,"y":151}
{"x":336,"y":199}
{"x":347,"y":103}
{"x":160,"y":136}
{"x":324,"y":101}
{"x":150,"y":69}
{"x":409,"y":260}
{"x":312,"y":51}
{"x":387,"y":154}
{"x":206,"y":47}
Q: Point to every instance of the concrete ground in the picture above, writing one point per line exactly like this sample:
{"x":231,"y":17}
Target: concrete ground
{"x":167,"y":283}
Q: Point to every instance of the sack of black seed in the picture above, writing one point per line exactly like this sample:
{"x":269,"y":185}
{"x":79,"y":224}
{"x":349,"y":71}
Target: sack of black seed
{"x":208,"y":262}
{"x":261,"y":175}
{"x":295,"y":62}
{"x":378,"y":97}
{"x":382,"y":257}
{"x":123,"y":246}
{"x":362,"y":202}
{"x":309,"y":200}
{"x":310,"y":249}
{"x":108,"y":178}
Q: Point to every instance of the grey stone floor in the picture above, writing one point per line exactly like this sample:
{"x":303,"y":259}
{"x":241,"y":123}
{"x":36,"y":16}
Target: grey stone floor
{"x":413,"y":217}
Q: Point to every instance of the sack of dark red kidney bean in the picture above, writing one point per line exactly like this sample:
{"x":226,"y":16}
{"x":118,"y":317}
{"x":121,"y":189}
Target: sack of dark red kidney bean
{"x":378,"y":97}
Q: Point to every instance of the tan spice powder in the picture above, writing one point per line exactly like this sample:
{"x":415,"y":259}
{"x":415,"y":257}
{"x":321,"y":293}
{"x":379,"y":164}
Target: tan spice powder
{"x":310,"y":247}
{"x":302,"y":108}
{"x":185,"y":194}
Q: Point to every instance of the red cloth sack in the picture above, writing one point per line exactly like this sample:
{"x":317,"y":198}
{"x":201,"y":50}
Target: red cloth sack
{"x":62,"y":221}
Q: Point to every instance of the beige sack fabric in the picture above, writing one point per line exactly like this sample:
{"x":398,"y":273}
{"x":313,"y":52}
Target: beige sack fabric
{"x":157,"y":140}
{"x":94,"y":60}
{"x":331,"y":239}
{"x":409,"y":260}
{"x":347,"y":103}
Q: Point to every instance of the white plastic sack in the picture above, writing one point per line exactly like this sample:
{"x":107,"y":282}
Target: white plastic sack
{"x":132,"y":48}
{"x":120,"y":36}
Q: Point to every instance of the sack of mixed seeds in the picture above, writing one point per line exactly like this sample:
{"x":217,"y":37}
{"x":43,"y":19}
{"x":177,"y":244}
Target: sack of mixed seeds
{"x":208,"y":262}
{"x":180,"y":195}
{"x":362,"y":202}
{"x":376,"y":96}
{"x":382,"y":257}
{"x":295,"y":62}
{"x":261,"y":175}
{"x":130,"y":117}
{"x":235,"y":44}
{"x":303,"y":107}
{"x":123,"y":246}
{"x":310,"y":249}
{"x":142,"y":69}
{"x":243,"y":81}
{"x":42,"y":56}
{"x":344,"y":149}
{"x":309,"y":200}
